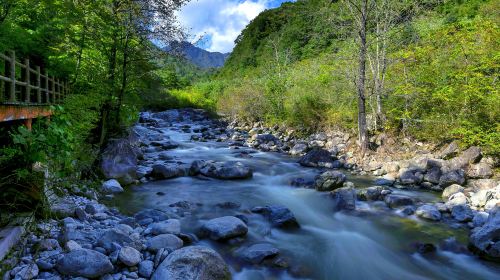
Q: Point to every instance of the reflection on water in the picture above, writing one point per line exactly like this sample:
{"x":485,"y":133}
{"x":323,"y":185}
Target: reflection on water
{"x":371,"y":243}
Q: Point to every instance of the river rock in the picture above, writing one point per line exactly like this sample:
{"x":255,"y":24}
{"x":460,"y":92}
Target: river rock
{"x":319,"y":158}
{"x":479,"y":219}
{"x":119,"y":161}
{"x":172,"y":226}
{"x":257,"y":253}
{"x":27,"y":272}
{"x":450,"y":151}
{"x":452,"y":177}
{"x":479,"y":171}
{"x":462,"y":213}
{"x":433,"y":175}
{"x":384,"y":182}
{"x":84,"y":263}
{"x":398,"y":200}
{"x":486,"y":239}
{"x":224,"y":228}
{"x":278,"y":215}
{"x":111,"y":186}
{"x":152,"y":214}
{"x":193,"y":263}
{"x":428,"y":212}
{"x":226,"y":171}
{"x":146,"y":268}
{"x":298,"y":149}
{"x":129,"y":256}
{"x":456,"y":199}
{"x":482,"y":184}
{"x":166,"y":171}
{"x":167,"y":241}
{"x":329,"y":180}
{"x":302,"y":183}
{"x":451,"y":190}
{"x":371,"y":193}
{"x":344,"y":198}
{"x":111,"y":236}
{"x":411,"y":176}
{"x":480,"y":198}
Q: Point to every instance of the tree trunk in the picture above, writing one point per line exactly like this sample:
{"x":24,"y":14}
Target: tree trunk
{"x":363,"y":130}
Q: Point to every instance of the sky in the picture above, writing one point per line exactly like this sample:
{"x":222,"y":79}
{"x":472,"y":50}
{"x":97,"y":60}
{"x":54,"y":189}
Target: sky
{"x":219,"y":22}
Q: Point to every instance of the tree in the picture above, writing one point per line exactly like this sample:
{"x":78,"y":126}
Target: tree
{"x":359,"y":10}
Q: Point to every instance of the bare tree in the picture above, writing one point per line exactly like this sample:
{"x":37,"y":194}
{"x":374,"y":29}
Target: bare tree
{"x":359,"y":10}
{"x":386,"y":15}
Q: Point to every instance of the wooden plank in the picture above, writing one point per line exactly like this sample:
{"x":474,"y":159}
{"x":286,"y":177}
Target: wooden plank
{"x":16,"y":112}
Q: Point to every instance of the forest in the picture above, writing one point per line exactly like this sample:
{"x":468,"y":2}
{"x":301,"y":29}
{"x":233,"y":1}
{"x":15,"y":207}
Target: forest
{"x":431,"y":70}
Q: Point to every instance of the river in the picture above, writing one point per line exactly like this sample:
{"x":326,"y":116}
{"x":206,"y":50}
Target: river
{"x":372,"y":242}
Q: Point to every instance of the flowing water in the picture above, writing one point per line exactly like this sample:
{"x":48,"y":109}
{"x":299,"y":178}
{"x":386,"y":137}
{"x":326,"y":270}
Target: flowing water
{"x":372,"y":242}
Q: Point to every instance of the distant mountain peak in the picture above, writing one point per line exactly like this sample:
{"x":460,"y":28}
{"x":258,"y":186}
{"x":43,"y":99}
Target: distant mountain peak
{"x":198,"y":56}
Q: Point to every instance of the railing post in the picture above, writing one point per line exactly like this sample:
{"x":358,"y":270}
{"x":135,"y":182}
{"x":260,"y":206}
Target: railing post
{"x":47,"y":95}
{"x":58,"y":91}
{"x":27,"y":74}
{"x":12,"y":75}
{"x":39,"y":86}
{"x":53,"y":88}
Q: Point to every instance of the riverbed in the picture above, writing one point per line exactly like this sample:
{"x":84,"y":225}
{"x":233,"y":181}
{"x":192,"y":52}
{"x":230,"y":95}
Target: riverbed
{"x":371,"y":242}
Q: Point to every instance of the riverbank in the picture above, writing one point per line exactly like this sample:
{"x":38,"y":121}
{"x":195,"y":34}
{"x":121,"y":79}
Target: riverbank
{"x":189,"y":190}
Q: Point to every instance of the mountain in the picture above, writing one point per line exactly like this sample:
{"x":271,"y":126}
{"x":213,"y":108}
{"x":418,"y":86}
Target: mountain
{"x":198,"y":56}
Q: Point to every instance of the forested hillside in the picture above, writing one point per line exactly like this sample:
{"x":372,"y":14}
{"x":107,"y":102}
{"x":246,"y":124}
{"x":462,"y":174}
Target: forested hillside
{"x":431,"y":69}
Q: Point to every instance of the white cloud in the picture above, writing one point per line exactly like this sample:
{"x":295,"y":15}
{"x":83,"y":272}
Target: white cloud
{"x":221,"y":21}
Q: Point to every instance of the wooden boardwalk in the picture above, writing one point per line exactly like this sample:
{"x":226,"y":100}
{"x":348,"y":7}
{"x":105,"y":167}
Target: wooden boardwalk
{"x":27,"y":93}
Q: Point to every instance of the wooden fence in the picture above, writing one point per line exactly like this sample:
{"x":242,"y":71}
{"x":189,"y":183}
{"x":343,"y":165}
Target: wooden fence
{"x":20,"y":84}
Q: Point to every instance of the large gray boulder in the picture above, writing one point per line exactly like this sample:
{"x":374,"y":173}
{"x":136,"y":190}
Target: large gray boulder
{"x":458,"y":198}
{"x":108,"y":237}
{"x":329,"y":180}
{"x":319,"y":158}
{"x":224,"y":228}
{"x":229,"y":170}
{"x":344,"y":198}
{"x":371,"y":193}
{"x":172,"y":226}
{"x":298,"y":149}
{"x":166,"y":241}
{"x":119,"y":161}
{"x":462,"y":213}
{"x":111,"y":186}
{"x":479,"y":171}
{"x":451,"y":190}
{"x":470,"y":156}
{"x":411,"y":176}
{"x":129,"y":256}
{"x":398,"y":200}
{"x":163,"y":171}
{"x":193,"y":263}
{"x":449,"y":178}
{"x":485,"y":240}
{"x":257,"y":253}
{"x":428,"y":212}
{"x":84,"y":263}
{"x":278,"y":215}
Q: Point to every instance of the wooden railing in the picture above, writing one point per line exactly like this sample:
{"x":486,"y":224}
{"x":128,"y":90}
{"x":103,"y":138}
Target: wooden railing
{"x":20,"y":84}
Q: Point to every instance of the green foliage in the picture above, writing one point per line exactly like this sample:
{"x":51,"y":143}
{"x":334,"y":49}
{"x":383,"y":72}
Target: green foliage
{"x":296,"y":64}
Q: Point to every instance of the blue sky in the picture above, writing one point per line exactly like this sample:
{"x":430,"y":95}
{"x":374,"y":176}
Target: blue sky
{"x":219,"y":22}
